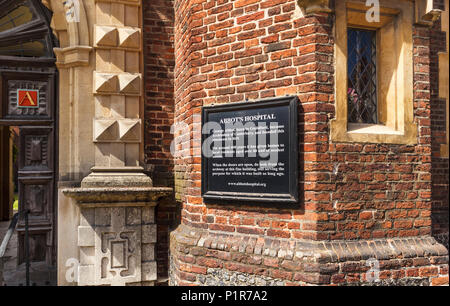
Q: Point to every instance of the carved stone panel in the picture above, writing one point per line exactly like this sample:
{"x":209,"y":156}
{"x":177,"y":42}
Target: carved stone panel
{"x":117,"y":249}
{"x":116,"y":246}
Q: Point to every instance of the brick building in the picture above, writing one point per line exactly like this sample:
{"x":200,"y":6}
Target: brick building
{"x":364,"y":194}
{"x":372,"y":134}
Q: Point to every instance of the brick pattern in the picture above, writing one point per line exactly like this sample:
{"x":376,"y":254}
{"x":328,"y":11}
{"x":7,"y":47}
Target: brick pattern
{"x":168,"y":216}
{"x":397,"y":261}
{"x":440,"y":170}
{"x":159,"y":60}
{"x":229,"y":51}
{"x":159,"y":88}
{"x":233,"y":50}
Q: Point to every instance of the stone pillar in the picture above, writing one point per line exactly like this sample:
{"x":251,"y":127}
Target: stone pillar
{"x":105,"y":201}
{"x":117,"y":95}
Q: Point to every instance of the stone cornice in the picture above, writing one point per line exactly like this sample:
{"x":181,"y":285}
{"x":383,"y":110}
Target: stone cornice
{"x":314,"y":6}
{"x":108,"y":196}
{"x":426,"y":13}
{"x":72,"y":56}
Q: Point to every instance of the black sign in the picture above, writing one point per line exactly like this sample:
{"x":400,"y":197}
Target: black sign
{"x":249,"y":151}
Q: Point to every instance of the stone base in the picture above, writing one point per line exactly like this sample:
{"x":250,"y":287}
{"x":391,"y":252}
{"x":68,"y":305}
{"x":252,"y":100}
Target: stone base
{"x":126,"y":177}
{"x":116,"y":234}
{"x":206,"y":258}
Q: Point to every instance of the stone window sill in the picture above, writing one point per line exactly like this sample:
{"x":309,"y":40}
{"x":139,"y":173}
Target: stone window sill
{"x":372,"y":133}
{"x":444,"y":150}
{"x":377,"y":129}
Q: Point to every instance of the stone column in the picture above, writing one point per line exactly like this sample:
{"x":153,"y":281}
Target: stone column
{"x":105,"y":201}
{"x":117,"y":95}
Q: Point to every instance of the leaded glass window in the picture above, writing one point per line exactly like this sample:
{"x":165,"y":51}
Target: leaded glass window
{"x":16,"y":16}
{"x":362,"y":76}
{"x":24,"y":29}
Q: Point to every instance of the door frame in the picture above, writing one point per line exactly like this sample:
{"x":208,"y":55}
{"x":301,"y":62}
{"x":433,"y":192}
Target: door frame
{"x":48,"y":123}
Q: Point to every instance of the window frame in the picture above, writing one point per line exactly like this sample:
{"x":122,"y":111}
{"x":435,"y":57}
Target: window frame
{"x":394,"y":97}
{"x":35,"y":30}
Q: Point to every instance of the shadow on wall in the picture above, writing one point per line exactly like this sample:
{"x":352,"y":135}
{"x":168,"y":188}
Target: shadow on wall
{"x":440,"y":166}
{"x":159,"y":60}
{"x":168,"y":217}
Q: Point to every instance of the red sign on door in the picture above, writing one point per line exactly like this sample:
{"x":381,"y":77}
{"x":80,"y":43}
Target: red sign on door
{"x":28,"y":98}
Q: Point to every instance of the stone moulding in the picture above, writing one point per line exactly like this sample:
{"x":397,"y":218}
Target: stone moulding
{"x":118,"y":195}
{"x":127,"y":2}
{"x":314,"y":6}
{"x":426,"y":13}
{"x":72,"y":56}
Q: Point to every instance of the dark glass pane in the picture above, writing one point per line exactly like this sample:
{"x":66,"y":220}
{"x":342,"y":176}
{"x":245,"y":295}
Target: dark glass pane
{"x":28,"y":49}
{"x":16,"y":16}
{"x":362,"y":76}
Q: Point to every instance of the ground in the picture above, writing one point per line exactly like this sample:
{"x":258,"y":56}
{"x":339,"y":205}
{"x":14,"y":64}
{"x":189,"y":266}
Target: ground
{"x":14,"y":275}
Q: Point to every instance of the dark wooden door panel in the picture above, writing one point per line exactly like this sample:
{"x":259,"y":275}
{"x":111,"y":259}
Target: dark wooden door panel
{"x":36,"y":191}
{"x":17,"y":106}
{"x":40,"y":246}
{"x":37,"y":146}
{"x":28,"y":99}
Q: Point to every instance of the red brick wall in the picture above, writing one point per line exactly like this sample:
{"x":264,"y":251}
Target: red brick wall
{"x":230,"y":51}
{"x":440,"y":208}
{"x":248,"y":49}
{"x":167,"y":219}
{"x":159,"y":60}
{"x":211,"y":258}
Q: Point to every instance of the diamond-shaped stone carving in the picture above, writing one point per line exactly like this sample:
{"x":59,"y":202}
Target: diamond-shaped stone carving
{"x":130,"y":130}
{"x":129,"y":38}
{"x":105,"y":130}
{"x":130,"y":83}
{"x":106,"y":82}
{"x":106,"y":36}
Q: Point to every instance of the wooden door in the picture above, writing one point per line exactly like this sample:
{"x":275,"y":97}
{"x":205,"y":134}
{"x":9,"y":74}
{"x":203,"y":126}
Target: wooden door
{"x":28,"y":94}
{"x":36,"y":192}
{"x":6,"y":182}
{"x":28,"y":101}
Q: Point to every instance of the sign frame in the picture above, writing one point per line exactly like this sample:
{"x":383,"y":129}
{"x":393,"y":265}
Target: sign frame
{"x":287,"y":198}
{"x":27,"y":90}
